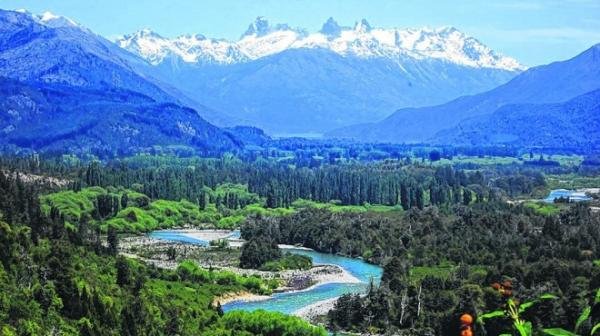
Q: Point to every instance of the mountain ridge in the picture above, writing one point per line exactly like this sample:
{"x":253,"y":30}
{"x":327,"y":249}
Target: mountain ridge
{"x":64,"y":87}
{"x":262,"y":39}
{"x":553,"y":83}
{"x":288,"y":81}
{"x":574,"y":123}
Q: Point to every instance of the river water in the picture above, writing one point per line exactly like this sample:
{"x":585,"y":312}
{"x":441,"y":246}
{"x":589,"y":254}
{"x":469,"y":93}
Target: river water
{"x":571,"y":195}
{"x":289,"y":302}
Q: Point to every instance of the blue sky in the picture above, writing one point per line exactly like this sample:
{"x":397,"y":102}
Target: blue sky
{"x":533,"y":31}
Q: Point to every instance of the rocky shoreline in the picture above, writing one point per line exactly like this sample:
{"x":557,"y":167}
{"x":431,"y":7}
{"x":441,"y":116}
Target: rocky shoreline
{"x":320,"y":308}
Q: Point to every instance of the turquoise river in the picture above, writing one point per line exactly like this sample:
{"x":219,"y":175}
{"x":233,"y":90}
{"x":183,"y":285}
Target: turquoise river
{"x":289,"y":302}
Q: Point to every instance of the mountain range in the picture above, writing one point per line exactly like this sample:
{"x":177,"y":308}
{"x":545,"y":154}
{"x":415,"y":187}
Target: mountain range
{"x":65,"y":88}
{"x":287,"y":80}
{"x":553,"y":83}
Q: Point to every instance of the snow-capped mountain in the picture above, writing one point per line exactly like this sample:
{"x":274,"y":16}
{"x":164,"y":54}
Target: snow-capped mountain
{"x":261,"y":39}
{"x":288,"y":80}
{"x":189,"y":48}
{"x":52,"y":20}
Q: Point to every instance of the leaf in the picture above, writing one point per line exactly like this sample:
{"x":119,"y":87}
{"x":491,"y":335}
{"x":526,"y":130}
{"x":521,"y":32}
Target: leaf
{"x":594,"y":329}
{"x":526,"y":305}
{"x":493,"y":314}
{"x":597,"y":298}
{"x":548,"y":297}
{"x":558,"y":332}
{"x":584,"y":316}
{"x":525,"y":329}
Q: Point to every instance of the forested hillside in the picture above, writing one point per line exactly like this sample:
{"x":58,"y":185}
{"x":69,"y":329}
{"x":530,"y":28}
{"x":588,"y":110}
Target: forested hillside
{"x":572,"y":123}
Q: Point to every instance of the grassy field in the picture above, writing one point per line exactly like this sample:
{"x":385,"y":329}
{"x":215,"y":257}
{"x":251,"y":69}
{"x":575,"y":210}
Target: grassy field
{"x":442,"y":272}
{"x":334,"y":207}
{"x":142,"y":215}
{"x":542,"y":208}
{"x":572,"y":181}
{"x":564,"y":160}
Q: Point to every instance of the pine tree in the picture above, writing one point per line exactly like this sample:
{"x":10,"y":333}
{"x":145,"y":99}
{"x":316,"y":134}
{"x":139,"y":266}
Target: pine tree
{"x":123,"y":272}
{"x":112,"y":240}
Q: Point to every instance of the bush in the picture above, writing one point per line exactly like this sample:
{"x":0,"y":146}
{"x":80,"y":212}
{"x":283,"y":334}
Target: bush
{"x":288,"y":262}
{"x":261,"y":322}
{"x":257,"y":251}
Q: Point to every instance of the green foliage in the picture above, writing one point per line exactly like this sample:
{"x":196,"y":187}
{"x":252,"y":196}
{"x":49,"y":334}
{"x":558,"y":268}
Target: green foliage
{"x":583,"y":317}
{"x":542,"y":208}
{"x":269,"y":323}
{"x":257,"y":251}
{"x":571,"y":181}
{"x":288,"y":262}
{"x":443,"y":234}
{"x":337,"y":208}
{"x":132,"y":219}
{"x":72,"y":204}
{"x":418,"y":273}
{"x":557,"y":332}
{"x":230,"y":222}
{"x":188,"y":270}
{"x":234,"y":196}
{"x":65,"y":282}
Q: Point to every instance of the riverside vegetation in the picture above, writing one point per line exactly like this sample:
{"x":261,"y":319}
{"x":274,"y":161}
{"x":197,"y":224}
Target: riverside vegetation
{"x":444,"y":234}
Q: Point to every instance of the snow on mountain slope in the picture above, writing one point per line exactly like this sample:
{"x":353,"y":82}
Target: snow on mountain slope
{"x":190,"y":48}
{"x":261,"y":39}
{"x":51,"y":20}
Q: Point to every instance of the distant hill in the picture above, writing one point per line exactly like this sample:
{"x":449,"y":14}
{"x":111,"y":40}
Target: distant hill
{"x":575,"y":123}
{"x":552,"y":83}
{"x":56,"y":118}
{"x":249,"y":135}
{"x":64,"y":88}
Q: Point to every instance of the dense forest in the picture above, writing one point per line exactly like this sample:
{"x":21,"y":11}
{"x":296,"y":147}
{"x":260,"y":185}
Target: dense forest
{"x":458,"y":238}
{"x":439,"y":263}
{"x":58,"y":279}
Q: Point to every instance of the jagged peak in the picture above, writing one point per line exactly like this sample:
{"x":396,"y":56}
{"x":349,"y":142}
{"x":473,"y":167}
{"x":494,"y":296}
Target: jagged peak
{"x":448,"y":30}
{"x":331,"y":28}
{"x":362,"y":26}
{"x":147,"y":32}
{"x":263,"y":39}
{"x":259,"y":27}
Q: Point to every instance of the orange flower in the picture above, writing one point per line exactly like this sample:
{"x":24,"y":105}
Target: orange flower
{"x":466,"y":319}
{"x":466,"y":332}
